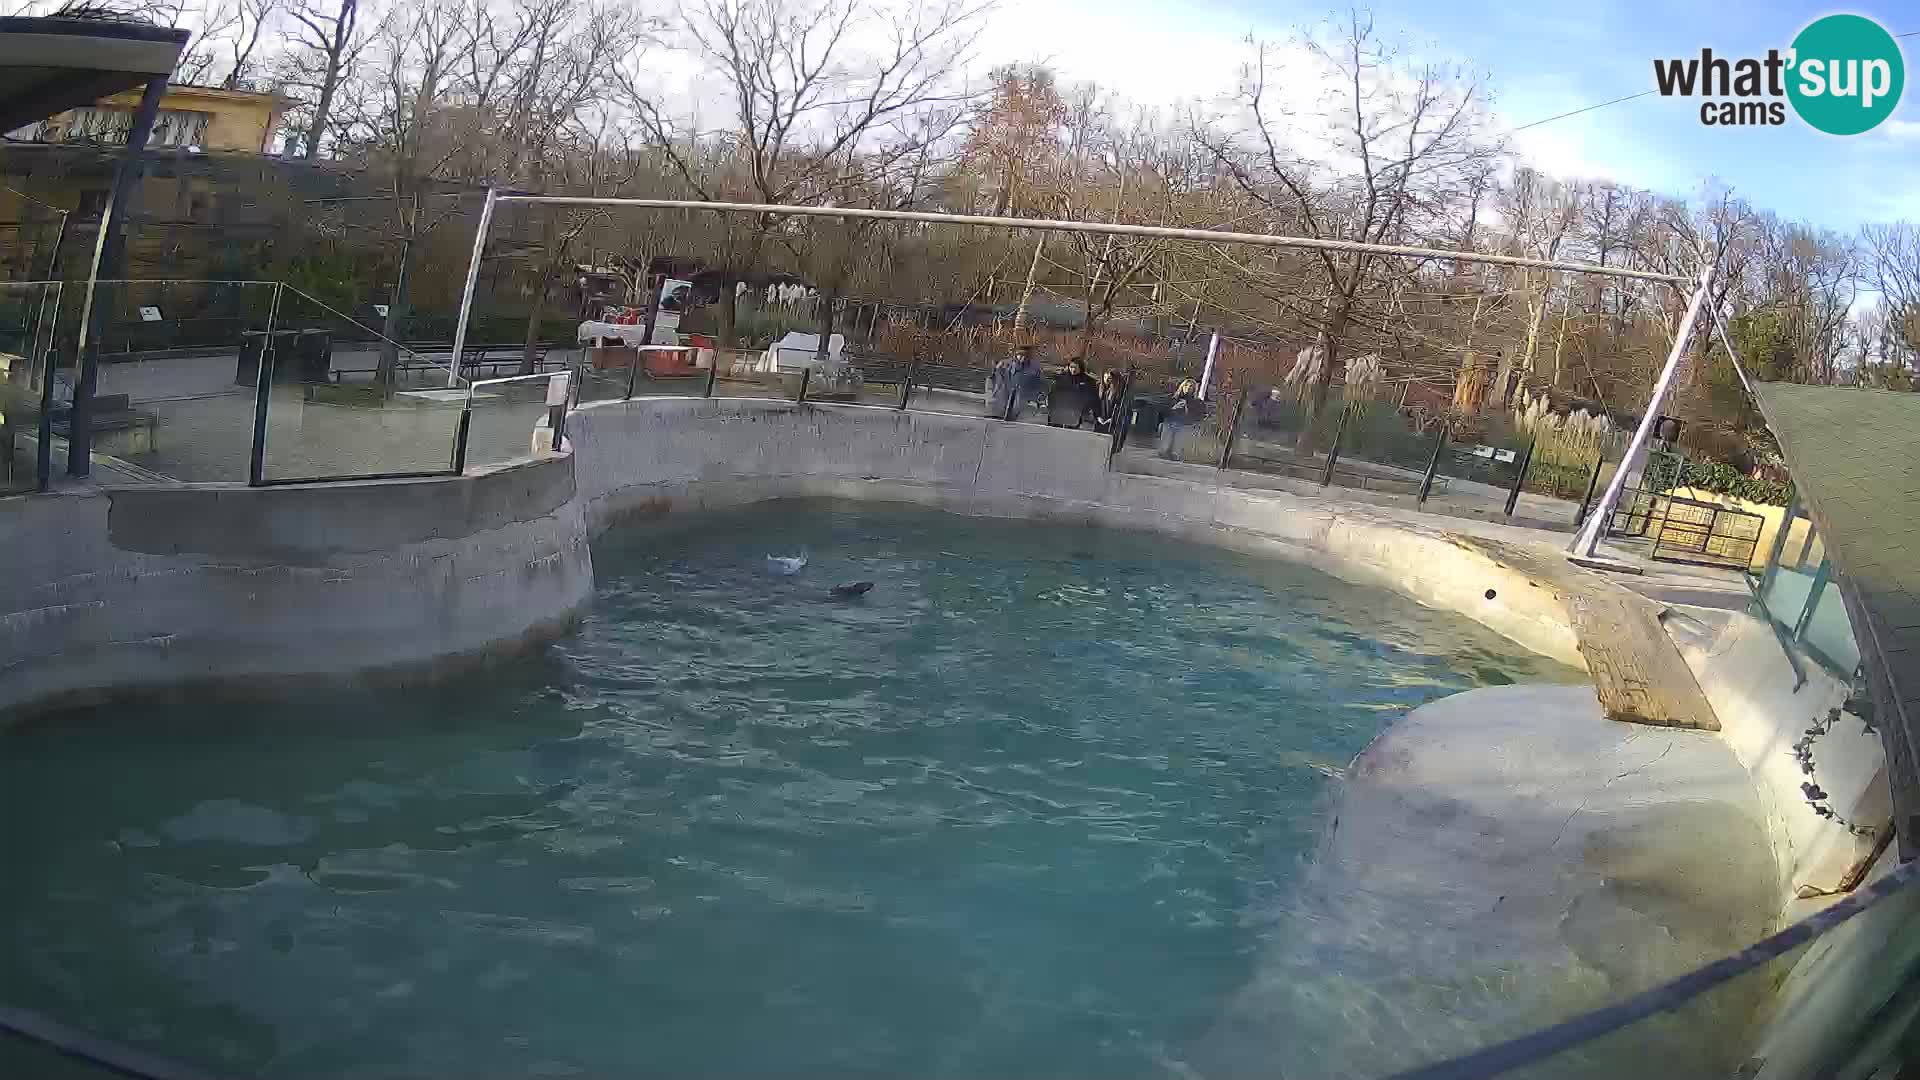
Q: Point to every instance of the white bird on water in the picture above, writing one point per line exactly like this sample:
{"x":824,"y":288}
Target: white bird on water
{"x":786,"y":565}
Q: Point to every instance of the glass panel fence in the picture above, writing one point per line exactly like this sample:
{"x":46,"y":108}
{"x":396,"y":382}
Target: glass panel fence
{"x":173,"y":401}
{"x":343,"y":400}
{"x":503,"y":418}
{"x":28,"y":313}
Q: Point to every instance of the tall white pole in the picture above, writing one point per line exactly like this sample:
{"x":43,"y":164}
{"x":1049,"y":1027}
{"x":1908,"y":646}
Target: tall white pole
{"x":1206,"y":373}
{"x":1587,"y":541}
{"x":473,"y":279}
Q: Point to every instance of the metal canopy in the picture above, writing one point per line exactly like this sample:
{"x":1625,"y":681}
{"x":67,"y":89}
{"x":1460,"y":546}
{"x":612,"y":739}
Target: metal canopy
{"x":1852,"y":454}
{"x":53,"y":64}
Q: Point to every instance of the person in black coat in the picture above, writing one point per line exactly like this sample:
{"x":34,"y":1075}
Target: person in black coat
{"x":1074,"y":396}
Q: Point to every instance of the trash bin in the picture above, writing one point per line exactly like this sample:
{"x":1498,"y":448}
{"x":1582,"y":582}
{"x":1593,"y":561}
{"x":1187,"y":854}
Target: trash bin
{"x":1147,"y":415}
{"x":286,"y":363}
{"x":314,"y":352}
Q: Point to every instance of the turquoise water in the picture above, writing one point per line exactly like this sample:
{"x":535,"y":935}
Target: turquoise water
{"x":1021,"y":811}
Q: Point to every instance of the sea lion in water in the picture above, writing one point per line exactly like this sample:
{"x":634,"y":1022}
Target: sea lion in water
{"x":850,"y":590}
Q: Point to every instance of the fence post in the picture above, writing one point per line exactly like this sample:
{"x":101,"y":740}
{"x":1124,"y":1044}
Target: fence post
{"x":262,"y":388}
{"x":558,"y":391}
{"x":713,"y":372}
{"x":43,"y":455}
{"x":1520,"y":476}
{"x":1013,"y":399}
{"x":1123,"y":420}
{"x":460,"y":439}
{"x":1593,"y":484}
{"x":1333,"y":452}
{"x":806,"y":375}
{"x":1780,"y":542}
{"x":1233,"y":432}
{"x":1433,"y":465}
{"x":1815,"y":591}
{"x":906,"y":386}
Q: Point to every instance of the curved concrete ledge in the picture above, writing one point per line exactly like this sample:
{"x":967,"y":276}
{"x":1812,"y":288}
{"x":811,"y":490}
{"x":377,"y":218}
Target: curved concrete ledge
{"x":1510,"y":856}
{"x":133,"y":589}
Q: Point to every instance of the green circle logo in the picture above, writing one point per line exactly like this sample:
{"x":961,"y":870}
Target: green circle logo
{"x":1846,"y":74}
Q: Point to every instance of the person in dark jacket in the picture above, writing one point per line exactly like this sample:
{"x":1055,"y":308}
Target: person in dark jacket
{"x":1074,"y":396}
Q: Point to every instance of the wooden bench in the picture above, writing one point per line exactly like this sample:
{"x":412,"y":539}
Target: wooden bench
{"x":480,"y":361}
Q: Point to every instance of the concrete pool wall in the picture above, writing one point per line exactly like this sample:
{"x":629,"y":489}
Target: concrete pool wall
{"x":663,"y":456}
{"x":152,"y":587}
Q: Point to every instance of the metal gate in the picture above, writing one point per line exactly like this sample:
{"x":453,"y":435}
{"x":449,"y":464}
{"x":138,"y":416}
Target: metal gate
{"x":1688,"y":530}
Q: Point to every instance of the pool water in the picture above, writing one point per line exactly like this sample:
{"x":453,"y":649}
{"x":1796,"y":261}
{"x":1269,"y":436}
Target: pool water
{"x":1020,"y":811}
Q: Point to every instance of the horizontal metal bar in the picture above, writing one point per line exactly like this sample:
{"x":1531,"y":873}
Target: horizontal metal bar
{"x":1208,"y":236}
{"x":142,"y":281}
{"x":284,"y":481}
{"x":81,"y":1046}
{"x":1541,"y":1045}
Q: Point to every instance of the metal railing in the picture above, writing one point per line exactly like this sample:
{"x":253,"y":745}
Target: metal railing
{"x":1501,"y":1058}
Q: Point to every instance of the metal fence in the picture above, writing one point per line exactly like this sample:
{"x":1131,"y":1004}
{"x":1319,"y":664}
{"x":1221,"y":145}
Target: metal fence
{"x":1439,"y":463}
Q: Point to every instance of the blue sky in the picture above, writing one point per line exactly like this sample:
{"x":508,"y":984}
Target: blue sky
{"x":1543,"y":58}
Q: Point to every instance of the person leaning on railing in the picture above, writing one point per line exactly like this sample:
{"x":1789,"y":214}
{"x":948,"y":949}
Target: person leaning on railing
{"x":1182,"y":413}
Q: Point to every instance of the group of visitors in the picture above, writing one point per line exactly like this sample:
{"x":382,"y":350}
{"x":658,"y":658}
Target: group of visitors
{"x":1072,"y":399}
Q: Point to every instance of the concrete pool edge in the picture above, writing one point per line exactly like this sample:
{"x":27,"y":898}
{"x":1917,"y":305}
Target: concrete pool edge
{"x":663,"y":456}
{"x":215,"y":586}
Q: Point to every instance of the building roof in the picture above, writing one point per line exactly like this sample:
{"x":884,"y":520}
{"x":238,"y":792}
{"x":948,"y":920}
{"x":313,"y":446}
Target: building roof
{"x":53,"y":64}
{"x":1855,"y":459}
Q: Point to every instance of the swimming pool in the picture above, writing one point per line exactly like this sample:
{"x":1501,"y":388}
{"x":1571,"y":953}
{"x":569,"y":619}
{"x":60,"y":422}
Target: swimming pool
{"x":1017,"y":811}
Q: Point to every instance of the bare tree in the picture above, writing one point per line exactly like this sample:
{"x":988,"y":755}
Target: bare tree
{"x":326,"y":40}
{"x":226,"y":50}
{"x":805,"y":97}
{"x":1379,"y":161}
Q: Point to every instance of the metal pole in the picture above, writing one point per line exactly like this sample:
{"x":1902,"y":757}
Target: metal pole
{"x":1333,"y":452}
{"x":906,"y":387}
{"x":805,"y":375}
{"x":1226,"y":445}
{"x":1815,"y":590}
{"x":1433,"y":466}
{"x":53,"y":274}
{"x":1593,"y":482}
{"x":43,"y":456}
{"x":1123,"y":419}
{"x":109,"y":253}
{"x":473,"y":280}
{"x":1205,"y":236}
{"x":1587,"y":541}
{"x":646,"y":332}
{"x":460,"y":438}
{"x":1206,"y":370}
{"x":262,"y":390}
{"x":1520,"y":476}
{"x":713,"y":372}
{"x":1772,"y":569}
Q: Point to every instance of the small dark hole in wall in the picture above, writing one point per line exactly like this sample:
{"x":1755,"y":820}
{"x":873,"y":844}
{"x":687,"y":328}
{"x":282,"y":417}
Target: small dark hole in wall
{"x":1489,"y":594}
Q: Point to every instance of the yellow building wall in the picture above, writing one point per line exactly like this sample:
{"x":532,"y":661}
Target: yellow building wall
{"x":239,"y":121}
